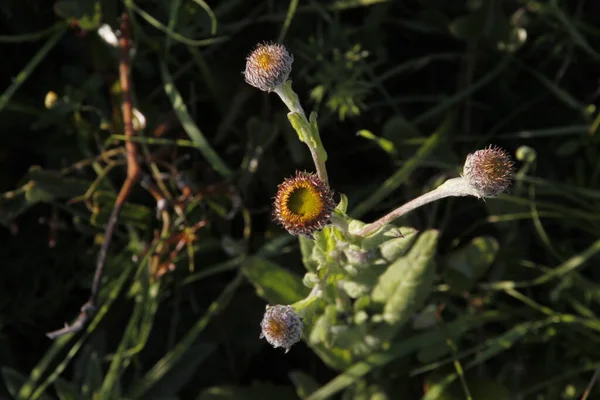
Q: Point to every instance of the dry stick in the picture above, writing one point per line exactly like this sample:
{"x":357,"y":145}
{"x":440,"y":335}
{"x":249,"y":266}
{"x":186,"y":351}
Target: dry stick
{"x":590,"y":385}
{"x":133,"y":175}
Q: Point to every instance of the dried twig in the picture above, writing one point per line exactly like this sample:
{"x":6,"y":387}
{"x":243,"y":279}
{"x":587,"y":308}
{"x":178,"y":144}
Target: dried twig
{"x":590,"y":385}
{"x":133,"y":175}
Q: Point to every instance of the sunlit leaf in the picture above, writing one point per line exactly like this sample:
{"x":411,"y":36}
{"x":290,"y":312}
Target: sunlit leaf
{"x":274,"y":283}
{"x":407,"y":282}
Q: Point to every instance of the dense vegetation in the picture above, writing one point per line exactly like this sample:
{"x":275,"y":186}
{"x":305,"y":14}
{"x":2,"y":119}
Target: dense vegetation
{"x":404,"y":90}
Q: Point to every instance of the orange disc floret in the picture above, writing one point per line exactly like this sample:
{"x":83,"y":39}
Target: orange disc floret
{"x":281,"y":326}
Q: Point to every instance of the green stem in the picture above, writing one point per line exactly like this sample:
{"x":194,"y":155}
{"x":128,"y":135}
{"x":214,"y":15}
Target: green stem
{"x":307,"y":129}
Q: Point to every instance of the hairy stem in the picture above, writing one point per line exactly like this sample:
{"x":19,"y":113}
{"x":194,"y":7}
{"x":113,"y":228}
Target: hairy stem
{"x":452,"y":187}
{"x":307,"y":130}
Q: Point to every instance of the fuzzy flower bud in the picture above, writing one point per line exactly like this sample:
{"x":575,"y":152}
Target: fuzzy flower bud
{"x":303,"y":204}
{"x":268,"y":66}
{"x":281,"y":326}
{"x":486,"y":173}
{"x":489,"y":171}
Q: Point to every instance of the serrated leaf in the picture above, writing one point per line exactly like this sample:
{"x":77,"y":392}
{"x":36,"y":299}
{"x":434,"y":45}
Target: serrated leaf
{"x":274,"y":283}
{"x":467,"y":265}
{"x":258,"y":391}
{"x":407,"y":282}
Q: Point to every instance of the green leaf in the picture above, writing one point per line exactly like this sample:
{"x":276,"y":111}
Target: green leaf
{"x":402,"y":174}
{"x":320,"y":341}
{"x":42,"y":186}
{"x":14,"y":380}
{"x":407,"y":282}
{"x":304,"y":383}
{"x":306,"y":249}
{"x":190,"y":126}
{"x":383,"y":143}
{"x":467,"y":265}
{"x":258,"y":391}
{"x":172,"y":382}
{"x":480,"y":388}
{"x":87,"y":13}
{"x":392,"y":249}
{"x":487,"y":22}
{"x":397,"y":350}
{"x":274,"y":283}
{"x":93,"y":375}
{"x":66,"y":390}
{"x":134,"y":214}
{"x":342,"y":206}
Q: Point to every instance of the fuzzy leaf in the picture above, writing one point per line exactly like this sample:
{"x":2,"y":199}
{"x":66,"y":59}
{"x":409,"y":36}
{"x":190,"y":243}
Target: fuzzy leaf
{"x":407,"y":282}
{"x":274,"y":283}
{"x":398,"y":247}
{"x":306,"y":249}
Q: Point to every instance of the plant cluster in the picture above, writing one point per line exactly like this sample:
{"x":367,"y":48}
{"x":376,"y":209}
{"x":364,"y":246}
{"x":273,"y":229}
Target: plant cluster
{"x":155,"y":195}
{"x":367,"y":280}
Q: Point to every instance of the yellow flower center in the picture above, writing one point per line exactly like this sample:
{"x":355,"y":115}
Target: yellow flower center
{"x":305,"y":202}
{"x":275,"y":328}
{"x":264,"y":61}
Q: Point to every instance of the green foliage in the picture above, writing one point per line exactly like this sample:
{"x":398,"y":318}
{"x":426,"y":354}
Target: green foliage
{"x":461,"y":299}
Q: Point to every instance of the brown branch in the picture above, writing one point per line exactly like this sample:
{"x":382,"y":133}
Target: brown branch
{"x":133,"y":175}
